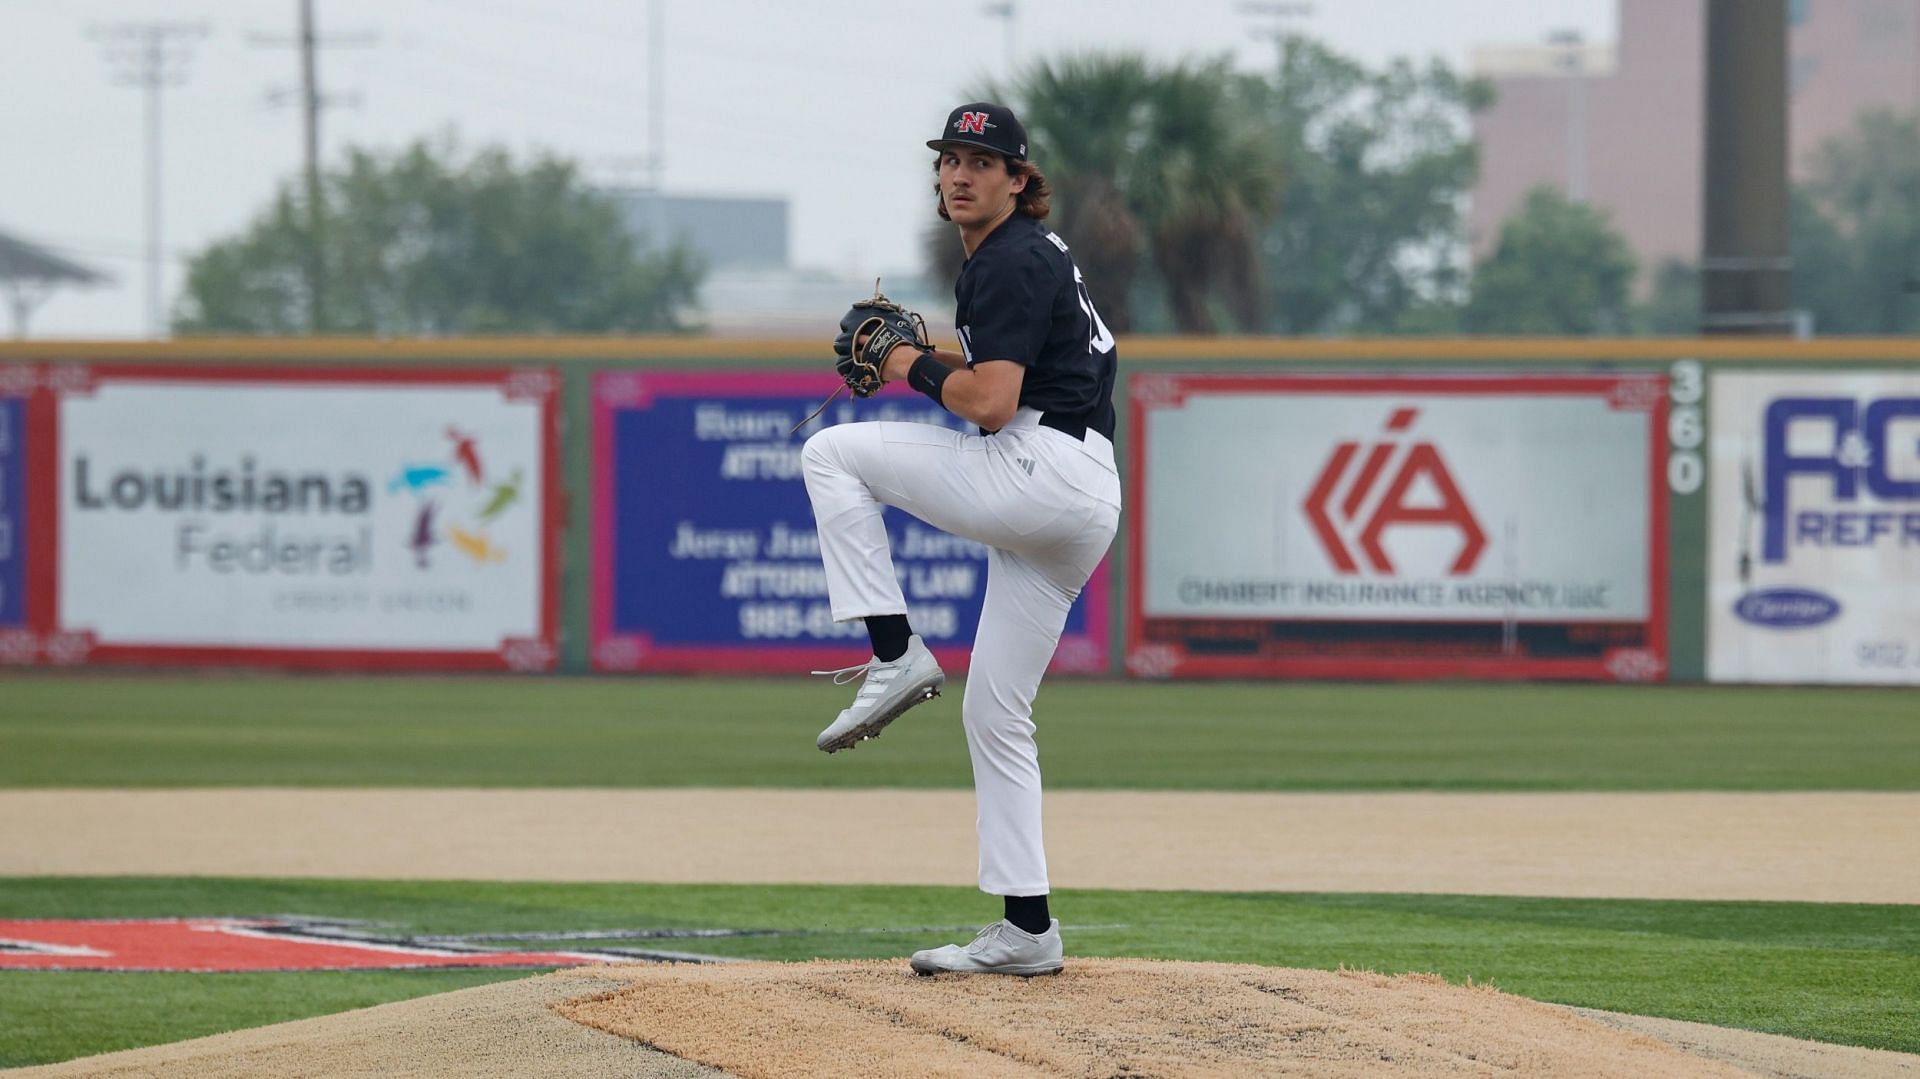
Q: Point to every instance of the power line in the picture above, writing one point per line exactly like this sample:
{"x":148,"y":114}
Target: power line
{"x":150,"y":56}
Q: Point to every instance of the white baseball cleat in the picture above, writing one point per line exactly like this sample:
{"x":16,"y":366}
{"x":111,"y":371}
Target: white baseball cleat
{"x":888,"y":690}
{"x":1001,"y":948}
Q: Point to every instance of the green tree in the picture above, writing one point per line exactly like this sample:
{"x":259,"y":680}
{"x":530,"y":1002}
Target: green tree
{"x":1084,"y":115}
{"x":1856,"y":229}
{"x":430,"y":240}
{"x":1376,"y":167}
{"x":1672,"y":308}
{"x":1156,"y":171}
{"x":1204,"y":187}
{"x":1560,"y":268}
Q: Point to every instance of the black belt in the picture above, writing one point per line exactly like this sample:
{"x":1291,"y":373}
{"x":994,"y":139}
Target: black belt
{"x":1065,"y":424}
{"x":1060,"y":421}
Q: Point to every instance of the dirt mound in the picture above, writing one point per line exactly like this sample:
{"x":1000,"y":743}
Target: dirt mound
{"x":1113,"y":1017}
{"x":1102,"y":1017}
{"x":504,"y":1030}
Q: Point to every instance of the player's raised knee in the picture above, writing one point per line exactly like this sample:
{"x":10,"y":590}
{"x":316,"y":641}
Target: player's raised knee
{"x":820,"y":451}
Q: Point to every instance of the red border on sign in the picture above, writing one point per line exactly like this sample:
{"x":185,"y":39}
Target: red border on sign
{"x":632,"y":652}
{"x":68,"y":646}
{"x":43,"y":530}
{"x":1150,"y":391}
{"x":22,"y":383}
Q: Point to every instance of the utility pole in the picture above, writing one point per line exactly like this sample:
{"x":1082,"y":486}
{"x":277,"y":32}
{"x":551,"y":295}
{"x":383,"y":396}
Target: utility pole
{"x":1746,"y":271}
{"x":657,"y":92}
{"x":657,"y":123}
{"x":1007,"y":11}
{"x":311,"y":102}
{"x":1280,"y":12}
{"x":310,"y":130}
{"x":150,"y":57}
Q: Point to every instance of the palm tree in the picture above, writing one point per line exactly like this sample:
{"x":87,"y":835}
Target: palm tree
{"x":1161,"y":166}
{"x":1206,"y":180}
{"x":1084,"y":116}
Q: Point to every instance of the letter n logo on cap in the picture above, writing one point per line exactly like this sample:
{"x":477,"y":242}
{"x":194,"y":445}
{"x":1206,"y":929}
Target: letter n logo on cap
{"x":972,"y":123}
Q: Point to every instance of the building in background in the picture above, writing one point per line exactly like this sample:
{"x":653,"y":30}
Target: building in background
{"x":1623,"y":125}
{"x":750,"y":287}
{"x":727,"y":232}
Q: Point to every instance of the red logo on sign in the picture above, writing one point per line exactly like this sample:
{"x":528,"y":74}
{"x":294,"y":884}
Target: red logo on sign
{"x":1363,"y":522}
{"x":972,"y":123}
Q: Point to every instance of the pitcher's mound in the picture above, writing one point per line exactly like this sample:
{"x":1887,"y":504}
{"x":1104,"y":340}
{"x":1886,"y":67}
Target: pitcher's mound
{"x":1107,"y":1017}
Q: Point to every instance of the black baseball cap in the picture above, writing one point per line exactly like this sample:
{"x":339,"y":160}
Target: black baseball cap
{"x":986,"y":125}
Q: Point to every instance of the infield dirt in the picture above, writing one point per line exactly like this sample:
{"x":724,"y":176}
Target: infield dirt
{"x":1811,"y":846}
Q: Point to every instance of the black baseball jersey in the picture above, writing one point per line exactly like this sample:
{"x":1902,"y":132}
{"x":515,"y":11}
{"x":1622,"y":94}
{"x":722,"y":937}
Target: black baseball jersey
{"x":1021,"y":298}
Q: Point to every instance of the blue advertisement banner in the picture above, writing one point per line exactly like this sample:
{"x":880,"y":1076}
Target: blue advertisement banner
{"x":705,"y":554}
{"x":13,"y":513}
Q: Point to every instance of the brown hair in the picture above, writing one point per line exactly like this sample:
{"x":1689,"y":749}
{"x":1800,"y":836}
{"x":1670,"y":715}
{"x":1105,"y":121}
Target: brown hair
{"x":1035,"y":200}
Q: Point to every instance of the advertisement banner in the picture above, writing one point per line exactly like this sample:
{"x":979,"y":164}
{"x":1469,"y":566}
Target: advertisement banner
{"x":17,"y":639}
{"x":705,"y":556}
{"x":320,"y":518}
{"x":1399,"y":527}
{"x":13,"y":521}
{"x":1814,"y":534}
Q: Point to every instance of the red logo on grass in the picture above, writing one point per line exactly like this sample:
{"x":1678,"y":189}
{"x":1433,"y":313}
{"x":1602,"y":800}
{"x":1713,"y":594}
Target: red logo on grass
{"x":229,"y":944}
{"x":1358,"y":523}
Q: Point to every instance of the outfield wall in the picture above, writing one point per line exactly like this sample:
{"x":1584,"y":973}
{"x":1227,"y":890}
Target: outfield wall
{"x":1628,"y":510}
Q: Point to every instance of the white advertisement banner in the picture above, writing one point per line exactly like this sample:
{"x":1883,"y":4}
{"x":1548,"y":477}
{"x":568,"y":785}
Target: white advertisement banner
{"x":1382,"y":502}
{"x":1814,"y":532}
{"x":282,"y":514}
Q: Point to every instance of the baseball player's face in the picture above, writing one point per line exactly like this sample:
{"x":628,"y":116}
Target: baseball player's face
{"x":976,"y":186}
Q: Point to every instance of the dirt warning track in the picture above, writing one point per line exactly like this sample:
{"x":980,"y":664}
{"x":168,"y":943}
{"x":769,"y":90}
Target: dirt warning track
{"x":1813,"y":846}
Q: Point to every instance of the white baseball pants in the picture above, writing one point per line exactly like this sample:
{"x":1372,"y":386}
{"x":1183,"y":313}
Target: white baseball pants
{"x":1046,"y":505}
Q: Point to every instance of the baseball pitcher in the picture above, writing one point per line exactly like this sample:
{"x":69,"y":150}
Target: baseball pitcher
{"x":1036,"y":484}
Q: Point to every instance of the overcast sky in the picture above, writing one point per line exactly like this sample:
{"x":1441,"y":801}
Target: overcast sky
{"x":826,"y":103}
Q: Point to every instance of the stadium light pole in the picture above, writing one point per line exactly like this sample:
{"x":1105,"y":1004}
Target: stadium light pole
{"x":150,"y":57}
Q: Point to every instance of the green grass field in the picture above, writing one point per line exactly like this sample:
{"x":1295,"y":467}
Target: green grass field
{"x":1835,"y":972}
{"x":144,"y":731}
{"x":1838,"y":972}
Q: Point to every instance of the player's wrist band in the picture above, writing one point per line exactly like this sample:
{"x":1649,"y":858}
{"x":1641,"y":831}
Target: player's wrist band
{"x":929,"y":375}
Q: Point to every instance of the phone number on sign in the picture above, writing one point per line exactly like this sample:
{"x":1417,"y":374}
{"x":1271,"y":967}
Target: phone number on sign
{"x":1887,"y":655}
{"x":789,"y":621}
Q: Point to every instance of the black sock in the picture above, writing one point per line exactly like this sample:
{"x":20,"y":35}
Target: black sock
{"x":889,"y":633}
{"x":1029,"y":912}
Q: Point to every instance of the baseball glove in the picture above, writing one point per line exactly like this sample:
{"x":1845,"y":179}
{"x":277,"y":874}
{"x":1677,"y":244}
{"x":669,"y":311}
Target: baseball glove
{"x":885,"y":325}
